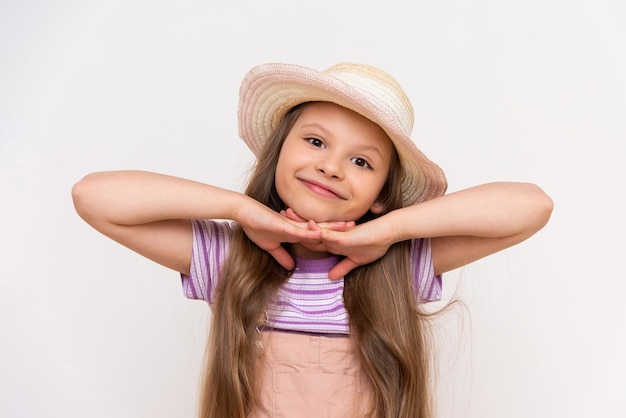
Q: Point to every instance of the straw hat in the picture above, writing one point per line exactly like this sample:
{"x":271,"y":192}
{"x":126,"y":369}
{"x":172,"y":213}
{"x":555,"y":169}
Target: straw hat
{"x":268,"y":92}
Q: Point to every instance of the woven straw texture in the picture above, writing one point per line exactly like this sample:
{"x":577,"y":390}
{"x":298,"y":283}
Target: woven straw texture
{"x":268,"y":92}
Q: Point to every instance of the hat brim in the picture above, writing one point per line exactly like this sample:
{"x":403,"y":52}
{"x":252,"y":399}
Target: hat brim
{"x":269,"y":91}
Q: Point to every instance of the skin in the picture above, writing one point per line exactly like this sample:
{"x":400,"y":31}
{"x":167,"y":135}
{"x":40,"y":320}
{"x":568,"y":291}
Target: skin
{"x":332,"y":167}
{"x":326,"y":150}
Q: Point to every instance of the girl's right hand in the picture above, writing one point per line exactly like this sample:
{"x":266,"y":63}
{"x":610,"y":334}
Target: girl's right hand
{"x":269,"y":229}
{"x":316,"y":244}
{"x":149,"y":213}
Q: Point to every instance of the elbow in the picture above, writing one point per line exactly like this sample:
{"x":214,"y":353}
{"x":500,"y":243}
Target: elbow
{"x":83,"y":196}
{"x":542,"y":205}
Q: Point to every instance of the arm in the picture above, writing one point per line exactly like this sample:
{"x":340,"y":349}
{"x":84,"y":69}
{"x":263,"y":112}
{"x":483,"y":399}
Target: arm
{"x":149,"y":213}
{"x":476,"y":222}
{"x":464,"y":226}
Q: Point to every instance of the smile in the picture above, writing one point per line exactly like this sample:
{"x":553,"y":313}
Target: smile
{"x":321,"y":189}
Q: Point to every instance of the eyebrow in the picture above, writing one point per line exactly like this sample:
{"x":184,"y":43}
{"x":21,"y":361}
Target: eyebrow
{"x":326,"y":131}
{"x":315,"y":125}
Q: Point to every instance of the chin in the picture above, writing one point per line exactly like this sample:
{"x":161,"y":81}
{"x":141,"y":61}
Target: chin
{"x":314,"y":215}
{"x":330,"y":218}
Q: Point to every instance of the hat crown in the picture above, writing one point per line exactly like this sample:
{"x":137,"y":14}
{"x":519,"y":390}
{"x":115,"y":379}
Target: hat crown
{"x":382,"y":89}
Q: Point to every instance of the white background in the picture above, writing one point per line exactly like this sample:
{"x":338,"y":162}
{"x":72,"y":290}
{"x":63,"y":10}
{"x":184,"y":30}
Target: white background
{"x":503,"y":90}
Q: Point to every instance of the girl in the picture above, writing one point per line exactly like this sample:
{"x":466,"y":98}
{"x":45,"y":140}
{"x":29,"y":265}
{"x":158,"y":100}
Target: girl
{"x":315,"y":275}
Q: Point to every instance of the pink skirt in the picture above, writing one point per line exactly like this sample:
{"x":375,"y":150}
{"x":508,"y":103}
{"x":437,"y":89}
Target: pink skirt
{"x":304,"y":375}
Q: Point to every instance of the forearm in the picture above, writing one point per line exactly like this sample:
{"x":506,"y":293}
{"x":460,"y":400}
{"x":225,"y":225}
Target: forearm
{"x":138,"y":197}
{"x":491,"y":210}
{"x":149,"y":213}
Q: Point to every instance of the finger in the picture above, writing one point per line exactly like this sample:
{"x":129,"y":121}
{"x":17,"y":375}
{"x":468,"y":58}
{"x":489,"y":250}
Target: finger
{"x":337,"y":226}
{"x":297,"y":234}
{"x":293,"y":218}
{"x":313,"y":226}
{"x":341,"y":269}
{"x":293,"y":215}
{"x":283,"y":257}
{"x":332,"y":236}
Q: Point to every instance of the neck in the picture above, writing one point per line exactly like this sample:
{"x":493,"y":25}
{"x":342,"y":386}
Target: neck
{"x":307,"y":254}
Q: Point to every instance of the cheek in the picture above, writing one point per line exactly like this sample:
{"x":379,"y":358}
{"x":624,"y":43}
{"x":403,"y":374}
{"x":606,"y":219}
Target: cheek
{"x":371,"y":191}
{"x":279,"y":178}
{"x":371,"y":186}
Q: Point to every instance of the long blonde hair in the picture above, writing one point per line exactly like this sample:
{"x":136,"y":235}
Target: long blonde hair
{"x":385,"y":321}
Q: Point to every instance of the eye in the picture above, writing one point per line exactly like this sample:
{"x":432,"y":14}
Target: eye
{"x":360,"y":162}
{"x":316,"y":142}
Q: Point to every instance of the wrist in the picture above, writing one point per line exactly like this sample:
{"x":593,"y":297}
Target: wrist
{"x":239,"y":205}
{"x":388,"y":229}
{"x":395,"y":227}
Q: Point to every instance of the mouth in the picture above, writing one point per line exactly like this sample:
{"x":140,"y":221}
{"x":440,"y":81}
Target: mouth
{"x":322,"y":189}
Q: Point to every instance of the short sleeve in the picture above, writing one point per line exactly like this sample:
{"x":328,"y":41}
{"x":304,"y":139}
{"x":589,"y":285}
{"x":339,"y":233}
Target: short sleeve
{"x":428,"y":286}
{"x":211,"y":240}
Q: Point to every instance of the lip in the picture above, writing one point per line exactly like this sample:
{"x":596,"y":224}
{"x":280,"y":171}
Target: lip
{"x":321,"y":189}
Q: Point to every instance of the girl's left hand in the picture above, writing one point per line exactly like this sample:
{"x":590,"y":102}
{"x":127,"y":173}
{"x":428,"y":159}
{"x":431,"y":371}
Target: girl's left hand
{"x":360,"y":244}
{"x":316,"y":244}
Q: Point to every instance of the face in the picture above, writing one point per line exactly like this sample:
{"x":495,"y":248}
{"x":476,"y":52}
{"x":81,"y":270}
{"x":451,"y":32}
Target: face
{"x":333,"y":164}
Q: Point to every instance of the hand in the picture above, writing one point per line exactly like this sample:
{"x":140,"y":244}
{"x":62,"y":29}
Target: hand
{"x":316,"y":245}
{"x":360,"y":244}
{"x":268,"y":230}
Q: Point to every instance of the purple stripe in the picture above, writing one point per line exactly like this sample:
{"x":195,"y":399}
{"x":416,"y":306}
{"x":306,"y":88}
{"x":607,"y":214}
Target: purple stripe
{"x":308,"y":324}
{"x":215,"y":234}
{"x":324,"y":291}
{"x":427,"y":285}
{"x":313,"y":311}
{"x":204,"y":253}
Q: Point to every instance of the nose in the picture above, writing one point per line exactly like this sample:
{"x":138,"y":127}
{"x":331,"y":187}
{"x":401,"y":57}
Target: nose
{"x":330,"y":167}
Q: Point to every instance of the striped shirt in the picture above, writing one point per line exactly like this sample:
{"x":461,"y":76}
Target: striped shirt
{"x":309,"y":301}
